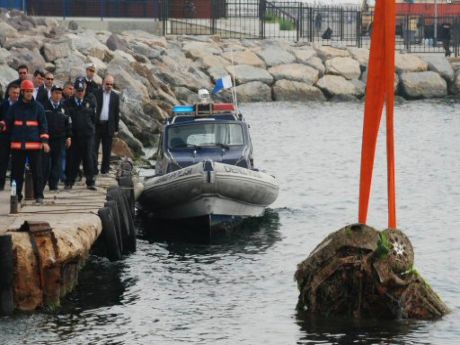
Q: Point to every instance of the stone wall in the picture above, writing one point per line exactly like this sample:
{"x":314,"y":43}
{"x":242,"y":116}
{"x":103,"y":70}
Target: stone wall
{"x":153,"y":73}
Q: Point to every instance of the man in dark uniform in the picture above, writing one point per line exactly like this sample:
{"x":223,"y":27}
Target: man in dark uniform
{"x":82,"y":110}
{"x":23,"y":72}
{"x":91,"y":85}
{"x":60,"y":132}
{"x":445,"y":38}
{"x":108,"y":111}
{"x":26,"y":122}
{"x":5,"y":136}
{"x":68,"y":91}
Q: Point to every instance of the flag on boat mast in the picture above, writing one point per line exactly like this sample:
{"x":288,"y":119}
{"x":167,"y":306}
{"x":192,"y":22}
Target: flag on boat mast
{"x":222,"y":84}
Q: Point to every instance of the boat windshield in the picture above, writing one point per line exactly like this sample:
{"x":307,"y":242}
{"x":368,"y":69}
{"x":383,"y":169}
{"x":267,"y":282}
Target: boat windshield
{"x":205,"y":134}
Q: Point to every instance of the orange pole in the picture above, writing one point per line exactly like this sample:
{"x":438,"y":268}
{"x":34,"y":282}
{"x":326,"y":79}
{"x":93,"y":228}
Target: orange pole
{"x":380,"y":90}
{"x":390,"y":29}
{"x":372,"y":109}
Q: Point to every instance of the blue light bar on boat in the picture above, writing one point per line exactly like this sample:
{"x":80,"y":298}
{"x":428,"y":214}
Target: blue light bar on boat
{"x":183,"y":109}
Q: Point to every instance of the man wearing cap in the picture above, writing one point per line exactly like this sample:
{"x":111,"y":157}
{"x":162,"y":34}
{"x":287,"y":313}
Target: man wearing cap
{"x":26,"y":123}
{"x":60,"y":132}
{"x":91,"y":85}
{"x":5,"y":136}
{"x":108,"y":110}
{"x":82,"y":110}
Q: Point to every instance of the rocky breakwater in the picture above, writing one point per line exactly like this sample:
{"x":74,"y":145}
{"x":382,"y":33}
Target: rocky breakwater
{"x":154,"y":73}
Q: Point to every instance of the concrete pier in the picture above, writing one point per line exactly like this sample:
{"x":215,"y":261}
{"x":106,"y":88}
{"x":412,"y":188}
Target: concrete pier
{"x":46,"y":262}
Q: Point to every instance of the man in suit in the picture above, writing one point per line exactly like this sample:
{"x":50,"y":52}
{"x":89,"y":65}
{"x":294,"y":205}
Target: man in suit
{"x":108,"y":116}
{"x":46,"y":94}
{"x":39,"y":86}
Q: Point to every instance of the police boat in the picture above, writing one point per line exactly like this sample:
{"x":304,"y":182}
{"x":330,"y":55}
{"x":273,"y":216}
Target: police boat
{"x":205,"y":168}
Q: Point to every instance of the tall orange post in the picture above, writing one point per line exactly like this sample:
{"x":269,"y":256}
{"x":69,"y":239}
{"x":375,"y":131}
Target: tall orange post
{"x":380,"y":91}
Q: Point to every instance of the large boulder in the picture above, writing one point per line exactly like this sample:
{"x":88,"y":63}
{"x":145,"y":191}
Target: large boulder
{"x":423,"y":85}
{"x":7,"y":75}
{"x":4,"y":56}
{"x":7,"y":32}
{"x":121,"y":149}
{"x":344,"y":66}
{"x":439,"y":64}
{"x":334,"y":85}
{"x":150,"y":52}
{"x":181,"y":72}
{"x":255,"y":91}
{"x":115,"y":42}
{"x":288,"y":90}
{"x":196,"y":50}
{"x":327,"y":53}
{"x":303,"y":54}
{"x":245,"y":74}
{"x":208,"y":61}
{"x":245,"y":57}
{"x":31,"y":58}
{"x":217,"y":72}
{"x":295,"y":72}
{"x":56,"y":50}
{"x":272,"y":55}
{"x":70,"y":67}
{"x":409,"y":63}
{"x":361,"y":55}
{"x":127,"y":136}
{"x":88,"y":44}
{"x":317,"y":64}
{"x":28,"y":42}
{"x":145,"y":37}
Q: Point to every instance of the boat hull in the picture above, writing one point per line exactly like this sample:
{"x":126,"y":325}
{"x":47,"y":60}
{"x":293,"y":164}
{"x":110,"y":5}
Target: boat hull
{"x":209,"y":188}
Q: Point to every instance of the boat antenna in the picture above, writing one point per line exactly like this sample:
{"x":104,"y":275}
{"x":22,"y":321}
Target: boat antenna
{"x":234,"y":96}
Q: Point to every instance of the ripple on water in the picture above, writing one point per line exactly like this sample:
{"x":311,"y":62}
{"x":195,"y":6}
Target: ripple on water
{"x":240,"y":290}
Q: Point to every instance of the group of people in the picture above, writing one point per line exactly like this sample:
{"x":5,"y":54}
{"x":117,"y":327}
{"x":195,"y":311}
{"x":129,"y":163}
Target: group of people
{"x":54,"y":127}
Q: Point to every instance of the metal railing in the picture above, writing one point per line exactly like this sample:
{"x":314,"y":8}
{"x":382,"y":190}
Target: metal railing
{"x":94,"y":8}
{"x":263,"y":19}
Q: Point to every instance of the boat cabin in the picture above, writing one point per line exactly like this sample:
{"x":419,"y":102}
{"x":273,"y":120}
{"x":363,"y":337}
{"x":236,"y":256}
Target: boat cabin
{"x":204,"y":132}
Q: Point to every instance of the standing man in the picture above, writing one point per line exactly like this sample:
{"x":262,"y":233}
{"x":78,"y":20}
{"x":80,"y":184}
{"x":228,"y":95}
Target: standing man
{"x":445,"y":37}
{"x":91,"y":85}
{"x":108,"y":110}
{"x":39,"y":82}
{"x":26,"y":122}
{"x":82,"y":110}
{"x":23,"y":72}
{"x":49,"y":81}
{"x":68,"y":91}
{"x":5,"y":136}
{"x":60,"y":132}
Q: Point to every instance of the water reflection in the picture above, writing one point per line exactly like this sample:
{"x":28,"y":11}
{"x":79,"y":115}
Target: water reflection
{"x":345,"y":331}
{"x":99,"y":285}
{"x":251,"y":236}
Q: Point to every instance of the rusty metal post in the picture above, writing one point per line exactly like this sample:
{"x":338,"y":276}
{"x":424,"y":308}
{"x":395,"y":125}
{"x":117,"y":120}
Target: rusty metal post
{"x":45,"y":249}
